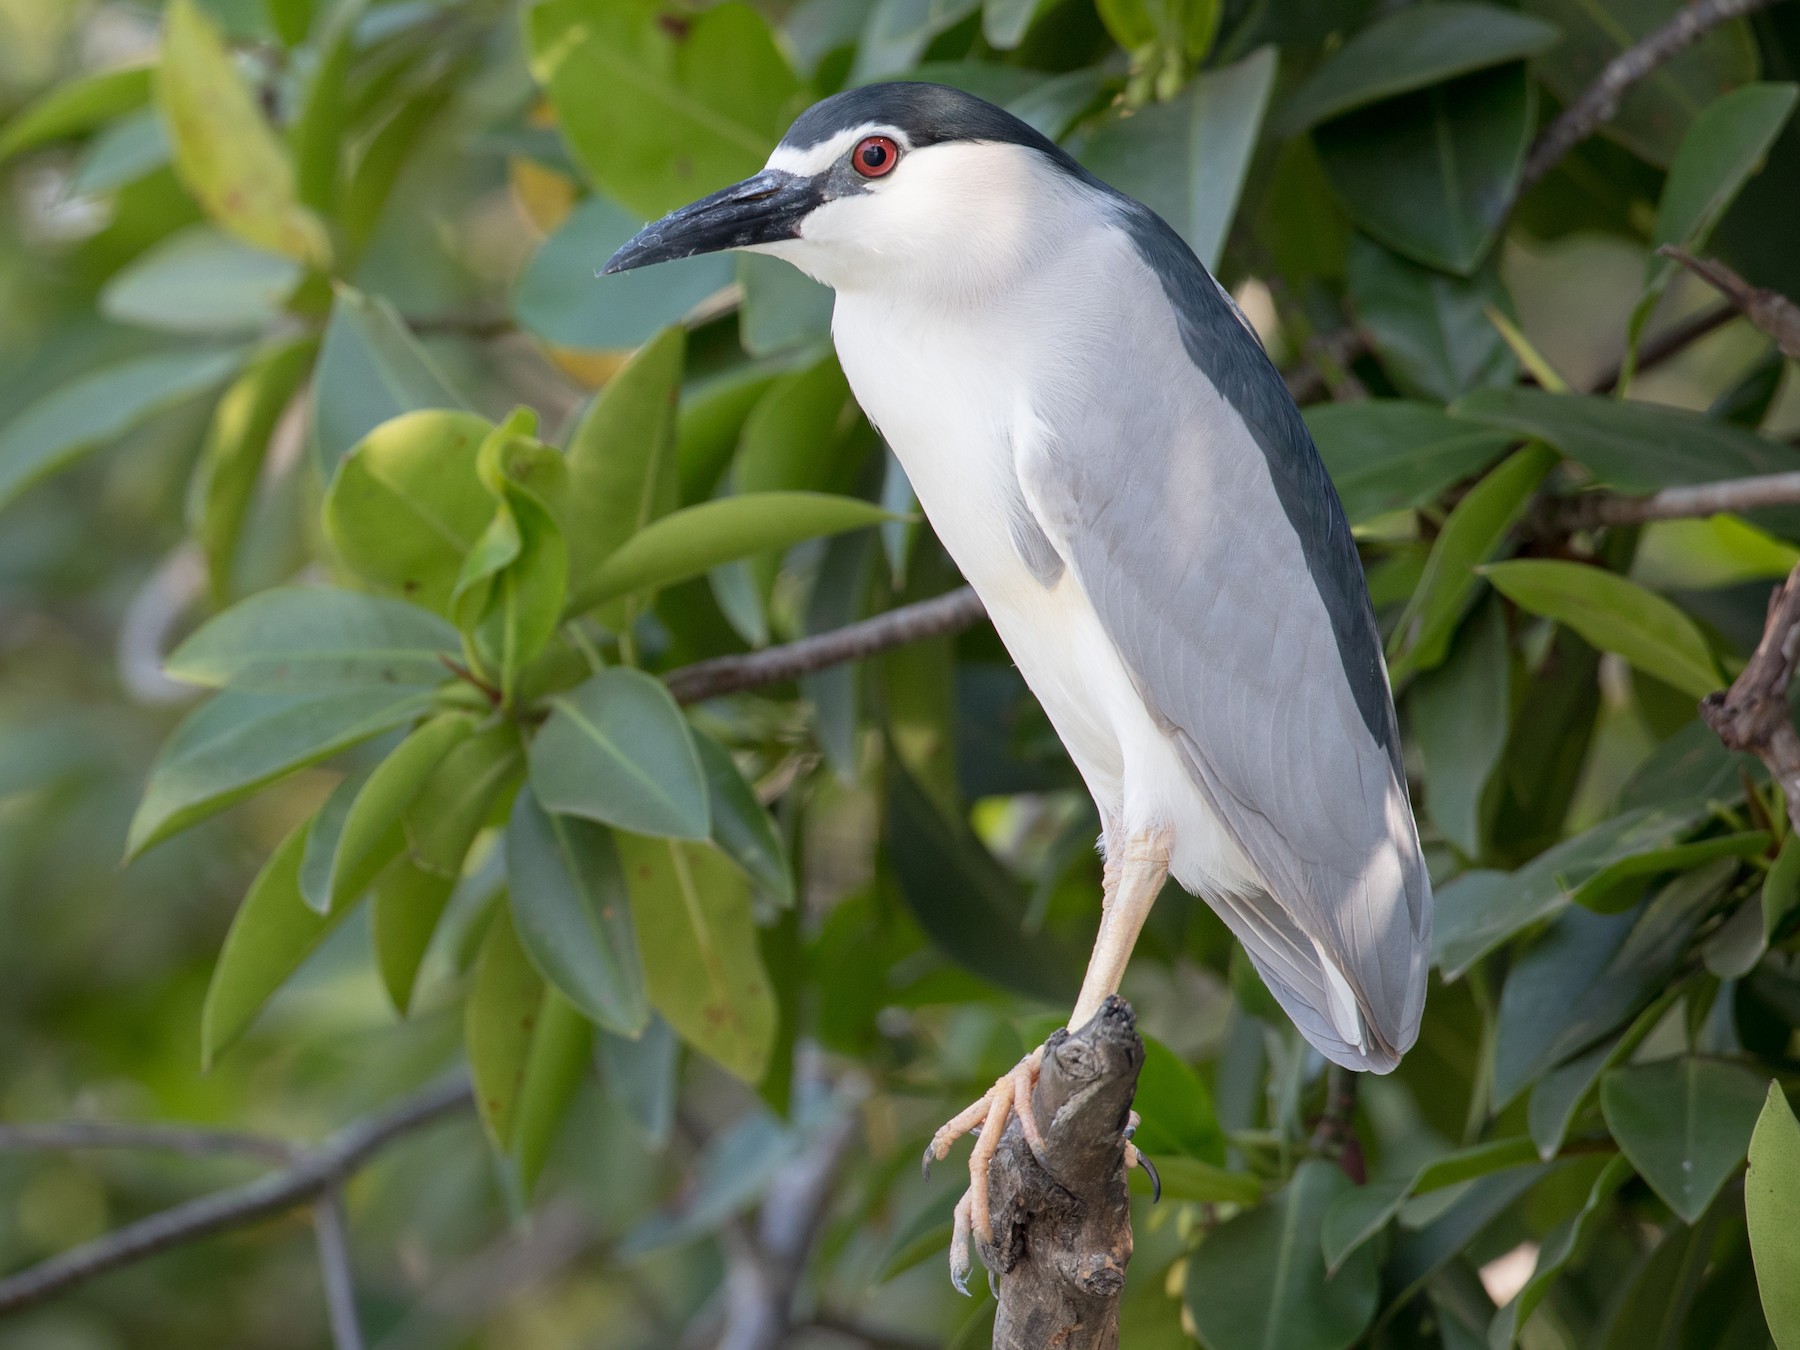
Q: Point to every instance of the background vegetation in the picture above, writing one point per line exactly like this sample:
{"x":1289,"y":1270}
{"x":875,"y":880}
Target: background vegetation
{"x":335,"y":495}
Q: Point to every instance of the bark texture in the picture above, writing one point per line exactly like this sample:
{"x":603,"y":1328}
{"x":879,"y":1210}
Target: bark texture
{"x":1062,"y":1236}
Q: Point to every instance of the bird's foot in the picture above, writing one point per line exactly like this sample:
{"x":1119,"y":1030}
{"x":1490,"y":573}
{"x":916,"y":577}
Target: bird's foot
{"x":1134,"y":1158}
{"x":986,"y":1119}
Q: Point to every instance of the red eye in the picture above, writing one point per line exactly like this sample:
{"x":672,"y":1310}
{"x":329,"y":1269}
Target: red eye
{"x":875,"y":156}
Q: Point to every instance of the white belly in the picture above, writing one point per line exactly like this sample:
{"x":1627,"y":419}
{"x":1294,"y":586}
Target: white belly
{"x":943,"y":397}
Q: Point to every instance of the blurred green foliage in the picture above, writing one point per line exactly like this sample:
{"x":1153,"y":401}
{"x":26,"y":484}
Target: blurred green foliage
{"x":349,"y":521}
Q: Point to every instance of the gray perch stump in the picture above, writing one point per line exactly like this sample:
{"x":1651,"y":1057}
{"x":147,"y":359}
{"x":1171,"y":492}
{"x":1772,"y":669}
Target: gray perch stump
{"x":1062,"y":1236}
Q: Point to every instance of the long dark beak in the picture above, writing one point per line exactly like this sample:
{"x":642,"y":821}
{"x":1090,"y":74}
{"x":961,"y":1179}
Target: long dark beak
{"x":759,"y":210}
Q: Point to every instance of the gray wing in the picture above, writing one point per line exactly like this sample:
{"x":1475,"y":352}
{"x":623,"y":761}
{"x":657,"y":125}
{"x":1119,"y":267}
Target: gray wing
{"x":1190,"y":503}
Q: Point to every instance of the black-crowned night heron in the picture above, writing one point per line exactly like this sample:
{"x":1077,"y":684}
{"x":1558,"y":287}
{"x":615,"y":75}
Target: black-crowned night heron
{"x":1104,"y":448}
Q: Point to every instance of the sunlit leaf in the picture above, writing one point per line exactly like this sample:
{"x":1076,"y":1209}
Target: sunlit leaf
{"x":76,"y":107}
{"x":1771,"y":1199}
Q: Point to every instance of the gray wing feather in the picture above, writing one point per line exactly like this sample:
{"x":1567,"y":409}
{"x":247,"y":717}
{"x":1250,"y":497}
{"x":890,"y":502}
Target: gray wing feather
{"x":1193,"y":508}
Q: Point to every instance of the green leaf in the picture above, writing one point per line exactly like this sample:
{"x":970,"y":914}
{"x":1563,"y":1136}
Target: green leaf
{"x":897,"y":33}
{"x":371,"y":370}
{"x":1258,"y":1280}
{"x":1655,"y":112}
{"x":1191,"y":1179}
{"x":1684,"y":1123}
{"x":310,"y":639}
{"x":1634,"y":447}
{"x":1589,"y":974}
{"x":617,"y":750}
{"x":1471,"y":534}
{"x":75,"y":107}
{"x":225,"y":152}
{"x":406,"y":504}
{"x":1781,"y":889}
{"x":273,"y":933}
{"x":1004,"y":23}
{"x":643,"y":1077}
{"x":317,"y":132}
{"x":99,"y":407}
{"x":561,"y":300}
{"x":499,"y":1019}
{"x":1430,"y":174}
{"x":200,"y":280}
{"x":702,"y":966}
{"x":1460,"y":714}
{"x":510,"y":589}
{"x":573,"y":915}
{"x":1431,"y":331}
{"x":1771,"y":1200}
{"x":741,"y":827}
{"x":686,"y":543}
{"x":1614,"y":614}
{"x":343,"y":863}
{"x":231,"y":459}
{"x":1357,"y":1215}
{"x":660,"y":114}
{"x":1176,"y":1110}
{"x":783,"y":308}
{"x":440,"y":823}
{"x":621,"y":457}
{"x":1654,"y":1302}
{"x":121,"y":155}
{"x":238,"y":742}
{"x":1561,"y":1245}
{"x":1479,"y":910}
{"x":964,"y":899}
{"x":1186,"y":159}
{"x":1392,"y":455}
{"x":561,"y":1045}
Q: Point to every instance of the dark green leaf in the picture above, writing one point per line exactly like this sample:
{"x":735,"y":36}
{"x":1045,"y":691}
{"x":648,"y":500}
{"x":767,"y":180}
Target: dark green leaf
{"x":1390,"y":455}
{"x":1560,"y":1246}
{"x":406,"y":504}
{"x":1684,"y":1123}
{"x":1409,"y":49}
{"x":1175,"y":1109}
{"x":1259,"y":1280}
{"x":301,"y":639}
{"x":1431,"y":330}
{"x":1186,"y":159}
{"x":783,"y":307}
{"x":695,"y":539}
{"x":94,"y":409}
{"x":1431,"y":174}
{"x":371,"y":370}
{"x":741,"y":827}
{"x":573,"y":915}
{"x":1654,"y":1301}
{"x":702,"y":967}
{"x":617,"y":750}
{"x":1771,"y":1200}
{"x":235,"y":743}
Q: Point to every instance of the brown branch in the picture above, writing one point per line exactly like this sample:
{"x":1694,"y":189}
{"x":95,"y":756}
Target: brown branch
{"x":1599,"y":102}
{"x":1062,"y":1237}
{"x":1753,"y":714}
{"x":1593,"y":509}
{"x":68,"y":1135}
{"x":1669,"y":344}
{"x":312,"y":1174}
{"x":948,"y":613}
{"x":1769,"y":310}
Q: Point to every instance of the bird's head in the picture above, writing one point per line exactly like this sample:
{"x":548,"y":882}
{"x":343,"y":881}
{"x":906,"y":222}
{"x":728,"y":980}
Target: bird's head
{"x":890,"y":185}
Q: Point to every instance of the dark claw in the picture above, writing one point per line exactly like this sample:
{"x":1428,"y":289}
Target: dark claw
{"x":1155,"y":1180}
{"x":925,"y":1165}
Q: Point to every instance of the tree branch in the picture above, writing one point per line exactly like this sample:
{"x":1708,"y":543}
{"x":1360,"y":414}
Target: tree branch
{"x":331,"y":1231}
{"x":1593,"y":509}
{"x":313,"y":1173}
{"x":192,"y":1142}
{"x":1753,"y":714}
{"x":1769,"y":310}
{"x":1670,"y":343}
{"x":1062,"y":1237}
{"x":948,"y":613}
{"x":1599,"y":102}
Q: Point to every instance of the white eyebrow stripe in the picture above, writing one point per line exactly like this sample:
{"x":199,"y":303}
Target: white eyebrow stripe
{"x":815,"y":159}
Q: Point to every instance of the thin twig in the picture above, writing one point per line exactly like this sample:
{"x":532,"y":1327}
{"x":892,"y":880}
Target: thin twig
{"x":1753,"y":715}
{"x":331,"y":1231}
{"x":1599,"y":102}
{"x":948,"y":613}
{"x":313,"y":1173}
{"x":1698,"y":500}
{"x":1670,"y":343}
{"x":1769,"y":310}
{"x":64,"y":1136}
